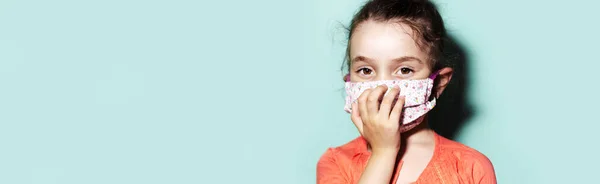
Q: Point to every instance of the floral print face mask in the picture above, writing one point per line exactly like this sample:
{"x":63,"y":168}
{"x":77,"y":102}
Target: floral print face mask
{"x":416,"y":94}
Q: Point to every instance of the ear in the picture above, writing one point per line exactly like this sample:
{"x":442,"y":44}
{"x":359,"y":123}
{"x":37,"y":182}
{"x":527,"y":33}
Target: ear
{"x":443,"y":78}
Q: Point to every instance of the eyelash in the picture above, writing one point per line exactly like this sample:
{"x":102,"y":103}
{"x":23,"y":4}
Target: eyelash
{"x":403,"y":68}
{"x":363,"y":69}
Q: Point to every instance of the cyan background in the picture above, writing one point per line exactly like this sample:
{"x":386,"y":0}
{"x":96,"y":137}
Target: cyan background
{"x":185,"y":91}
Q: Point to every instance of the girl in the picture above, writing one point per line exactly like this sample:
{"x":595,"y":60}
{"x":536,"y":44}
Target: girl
{"x":394,"y":79}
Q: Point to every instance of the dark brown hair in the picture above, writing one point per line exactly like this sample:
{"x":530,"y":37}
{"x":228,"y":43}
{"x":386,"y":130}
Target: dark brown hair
{"x":421,"y":16}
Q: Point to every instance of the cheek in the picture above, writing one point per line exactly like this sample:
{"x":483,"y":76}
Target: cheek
{"x":354,"y":77}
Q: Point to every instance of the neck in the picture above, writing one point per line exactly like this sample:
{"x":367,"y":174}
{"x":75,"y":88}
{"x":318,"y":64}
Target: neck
{"x":421,"y":134}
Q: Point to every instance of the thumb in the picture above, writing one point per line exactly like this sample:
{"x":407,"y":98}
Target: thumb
{"x":356,"y":118}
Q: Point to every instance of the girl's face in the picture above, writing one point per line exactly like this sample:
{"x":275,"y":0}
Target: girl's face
{"x":386,"y":51}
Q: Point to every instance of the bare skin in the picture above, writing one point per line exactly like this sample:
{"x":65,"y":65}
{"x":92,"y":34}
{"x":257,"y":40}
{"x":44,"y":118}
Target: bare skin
{"x":387,"y":51}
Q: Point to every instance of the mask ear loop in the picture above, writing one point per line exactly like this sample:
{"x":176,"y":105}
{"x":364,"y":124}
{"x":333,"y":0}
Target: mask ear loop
{"x":432,"y":77}
{"x":434,"y":74}
{"x":347,"y":78}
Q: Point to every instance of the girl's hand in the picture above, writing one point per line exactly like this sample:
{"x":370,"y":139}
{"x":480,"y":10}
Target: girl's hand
{"x":379,"y":123}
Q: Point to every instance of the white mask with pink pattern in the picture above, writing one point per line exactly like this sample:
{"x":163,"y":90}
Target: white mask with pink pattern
{"x":416,"y":94}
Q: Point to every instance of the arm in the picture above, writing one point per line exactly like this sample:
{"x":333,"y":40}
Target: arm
{"x":378,"y":123}
{"x":380,"y":168}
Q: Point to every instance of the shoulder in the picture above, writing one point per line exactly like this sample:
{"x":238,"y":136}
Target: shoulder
{"x":345,"y":152}
{"x":468,"y":160}
{"x":461,"y":151}
{"x":335,"y":164}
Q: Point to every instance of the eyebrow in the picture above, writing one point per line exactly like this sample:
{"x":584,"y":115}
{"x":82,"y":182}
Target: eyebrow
{"x":399,"y":60}
{"x":407,"y":58}
{"x":361,"y":58}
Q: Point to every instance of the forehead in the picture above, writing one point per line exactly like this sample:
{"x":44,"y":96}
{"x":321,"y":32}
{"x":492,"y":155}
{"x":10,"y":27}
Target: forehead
{"x":384,"y":41}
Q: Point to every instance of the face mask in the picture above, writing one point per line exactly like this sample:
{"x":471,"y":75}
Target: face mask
{"x":416,"y":93}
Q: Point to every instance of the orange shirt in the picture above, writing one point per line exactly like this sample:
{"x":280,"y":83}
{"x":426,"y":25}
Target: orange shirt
{"x":452,"y":162}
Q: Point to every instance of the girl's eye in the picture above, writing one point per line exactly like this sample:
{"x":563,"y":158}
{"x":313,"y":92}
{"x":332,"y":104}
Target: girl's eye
{"x":365,"y":71}
{"x":405,"y":71}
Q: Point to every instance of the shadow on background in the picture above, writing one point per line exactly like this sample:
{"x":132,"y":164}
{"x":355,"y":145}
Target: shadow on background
{"x":452,"y":109}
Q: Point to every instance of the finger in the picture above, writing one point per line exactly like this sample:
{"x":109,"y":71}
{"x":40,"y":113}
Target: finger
{"x":388,"y":100}
{"x":373,"y":100}
{"x":356,"y":118}
{"x":362,"y":104}
{"x":397,"y":110}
